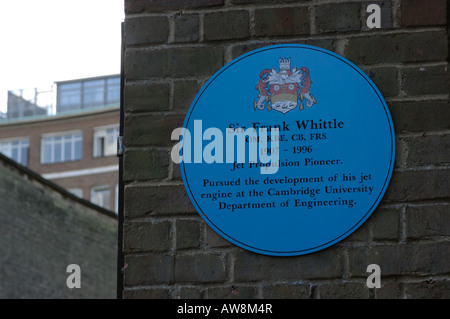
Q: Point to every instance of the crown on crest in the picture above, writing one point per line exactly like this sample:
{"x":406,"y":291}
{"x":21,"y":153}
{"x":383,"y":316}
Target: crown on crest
{"x":284,"y":63}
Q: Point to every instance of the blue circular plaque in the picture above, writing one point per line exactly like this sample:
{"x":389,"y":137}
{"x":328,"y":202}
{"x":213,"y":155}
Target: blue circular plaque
{"x":287,"y":150}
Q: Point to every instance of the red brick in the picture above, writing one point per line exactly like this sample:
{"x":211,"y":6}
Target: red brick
{"x":188,"y":233}
{"x":186,"y":28}
{"x":349,"y":290}
{"x":419,"y":116}
{"x":425,"y":80}
{"x":385,"y":78}
{"x":200,"y":268}
{"x":137,"y":6}
{"x":151,"y":130}
{"x":337,"y":17}
{"x":427,"y":221}
{"x":428,"y":289}
{"x":146,"y":30}
{"x":292,"y":291}
{"x":412,"y":258}
{"x":233,"y":292}
{"x":148,"y":97}
{"x":256,"y":267}
{"x":404,"y":47}
{"x":259,"y":1}
{"x":147,"y":293}
{"x":281,"y":21}
{"x":148,"y":269}
{"x":426,"y":150}
{"x":145,"y":164}
{"x":141,"y":64}
{"x":423,"y":12}
{"x":146,"y":236}
{"x":152,"y":201}
{"x":226,"y":25}
{"x":418,"y":185}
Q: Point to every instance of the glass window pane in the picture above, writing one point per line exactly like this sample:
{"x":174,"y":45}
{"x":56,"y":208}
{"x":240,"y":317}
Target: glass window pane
{"x":58,"y":152}
{"x":15,"y":153}
{"x":67,"y":150}
{"x":47,"y":140}
{"x":78,"y":150}
{"x":47,"y":154}
{"x":5,"y":148}
{"x":110,"y":145}
{"x":24,"y":156}
{"x":105,"y":141}
{"x":69,"y":95}
{"x":66,"y":87}
{"x":16,"y":150}
{"x":113,"y":82}
{"x":113,"y":90}
{"x":105,"y":195}
{"x":100,"y":196}
{"x":100,"y":146}
{"x":94,"y":84}
{"x":94,"y":93}
{"x":76,"y":191}
{"x":61,"y":148}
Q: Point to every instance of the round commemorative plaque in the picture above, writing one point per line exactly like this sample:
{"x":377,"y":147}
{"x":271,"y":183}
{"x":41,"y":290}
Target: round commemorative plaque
{"x":287,"y":150}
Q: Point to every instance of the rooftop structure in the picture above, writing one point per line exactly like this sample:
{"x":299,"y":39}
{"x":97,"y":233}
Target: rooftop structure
{"x":69,"y":138}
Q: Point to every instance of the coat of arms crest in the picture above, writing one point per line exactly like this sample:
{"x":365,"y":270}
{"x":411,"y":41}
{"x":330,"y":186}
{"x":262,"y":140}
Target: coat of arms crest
{"x":285,"y":89}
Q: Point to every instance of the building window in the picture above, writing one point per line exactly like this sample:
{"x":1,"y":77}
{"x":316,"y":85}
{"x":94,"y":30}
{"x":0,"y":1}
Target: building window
{"x":94,"y":93}
{"x":86,"y":93}
{"x":100,"y":196}
{"x":69,"y":96}
{"x":63,"y":147}
{"x":105,"y":141}
{"x":16,"y":149}
{"x":113,"y":90}
{"x":76,"y":191}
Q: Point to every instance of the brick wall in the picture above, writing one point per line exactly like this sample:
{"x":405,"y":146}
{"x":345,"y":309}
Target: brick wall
{"x":173,"y":47}
{"x":43,"y":229}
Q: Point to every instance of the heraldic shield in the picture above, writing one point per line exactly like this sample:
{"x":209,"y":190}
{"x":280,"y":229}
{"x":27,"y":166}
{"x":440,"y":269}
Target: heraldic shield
{"x":285,"y":89}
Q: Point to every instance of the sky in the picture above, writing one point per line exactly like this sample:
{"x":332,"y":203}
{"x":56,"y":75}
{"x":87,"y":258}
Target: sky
{"x":45,"y":41}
